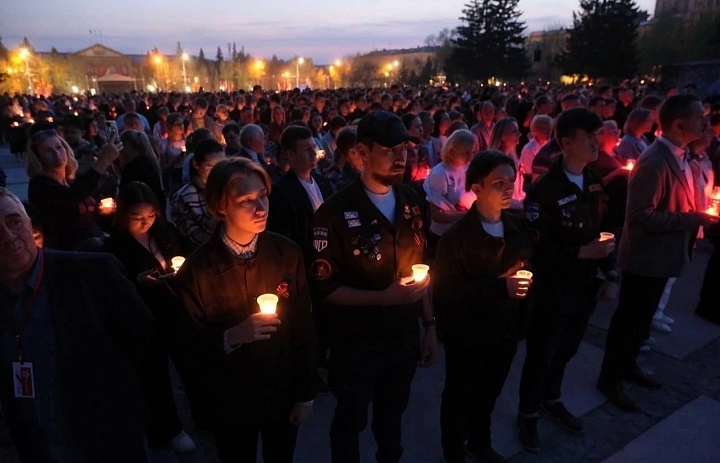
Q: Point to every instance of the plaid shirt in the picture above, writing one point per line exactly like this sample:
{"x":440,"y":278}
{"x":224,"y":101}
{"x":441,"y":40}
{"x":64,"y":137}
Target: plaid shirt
{"x":190,"y":214}
{"x":238,"y":250}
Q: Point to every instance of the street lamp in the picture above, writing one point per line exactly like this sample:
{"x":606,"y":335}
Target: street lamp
{"x":260,"y":65}
{"x":300,"y":61}
{"x":25,"y":54}
{"x":185,"y":57}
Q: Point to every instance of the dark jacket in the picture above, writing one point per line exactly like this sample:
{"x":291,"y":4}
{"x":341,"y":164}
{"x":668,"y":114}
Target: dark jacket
{"x":470,"y":293}
{"x":291,"y":211}
{"x":259,"y":381}
{"x":160,"y":299}
{"x":140,"y":169}
{"x":67,"y":211}
{"x":566,"y":219}
{"x":102,"y":330}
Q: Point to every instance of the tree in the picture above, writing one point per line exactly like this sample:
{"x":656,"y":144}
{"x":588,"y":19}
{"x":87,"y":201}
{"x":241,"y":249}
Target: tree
{"x":603,"y":40}
{"x":670,"y":41}
{"x":364,"y":74}
{"x":489,"y":43}
{"x":443,"y":43}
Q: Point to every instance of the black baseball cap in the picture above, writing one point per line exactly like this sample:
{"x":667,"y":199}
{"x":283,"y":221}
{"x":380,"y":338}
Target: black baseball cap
{"x":383,"y":128}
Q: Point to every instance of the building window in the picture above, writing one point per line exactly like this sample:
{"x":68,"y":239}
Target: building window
{"x":113,"y":70}
{"x":125,"y":70}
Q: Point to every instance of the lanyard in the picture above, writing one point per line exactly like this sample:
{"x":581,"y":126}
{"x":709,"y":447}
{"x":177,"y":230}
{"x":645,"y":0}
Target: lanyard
{"x":25,"y":317}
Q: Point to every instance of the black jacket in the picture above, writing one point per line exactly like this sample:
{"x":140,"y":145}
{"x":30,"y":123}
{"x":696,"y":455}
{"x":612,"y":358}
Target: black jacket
{"x":291,"y":211}
{"x":470,"y":293}
{"x":566,"y":219}
{"x":262,"y":380}
{"x":355,"y":245}
{"x":103,"y":331}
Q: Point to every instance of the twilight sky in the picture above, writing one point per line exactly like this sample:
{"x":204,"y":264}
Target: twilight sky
{"x":321,"y":29}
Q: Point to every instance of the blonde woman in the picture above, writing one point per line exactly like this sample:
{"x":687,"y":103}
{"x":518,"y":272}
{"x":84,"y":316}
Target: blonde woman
{"x":505,"y":138}
{"x":445,"y":185}
{"x":138,"y":163}
{"x":64,"y":201}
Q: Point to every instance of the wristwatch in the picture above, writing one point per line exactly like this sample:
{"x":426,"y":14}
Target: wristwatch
{"x":428,"y":323}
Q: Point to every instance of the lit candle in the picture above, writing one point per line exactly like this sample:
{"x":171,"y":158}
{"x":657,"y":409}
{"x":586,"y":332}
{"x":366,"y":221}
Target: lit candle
{"x":267,"y":303}
{"x":420,"y":272}
{"x":321,"y":154}
{"x":31,"y":121}
{"x":712,"y":210}
{"x":630,"y":165}
{"x":107,"y":206}
{"x":524,"y":275}
{"x":605,"y":236}
{"x":177,"y":262}
{"x":716,"y":193}
{"x":15,"y":124}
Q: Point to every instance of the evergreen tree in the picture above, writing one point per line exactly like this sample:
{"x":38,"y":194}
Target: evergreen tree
{"x":234,"y":55}
{"x":603,"y":40}
{"x":489,"y":43}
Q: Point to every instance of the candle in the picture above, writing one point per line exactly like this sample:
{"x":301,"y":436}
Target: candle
{"x":177,"y":262}
{"x":321,"y":154}
{"x":107,"y":206}
{"x":712,"y":210}
{"x":420,"y":272}
{"x":15,"y":124}
{"x":267,"y":303}
{"x":630,"y":165}
{"x":605,"y":236}
{"x":524,"y":275}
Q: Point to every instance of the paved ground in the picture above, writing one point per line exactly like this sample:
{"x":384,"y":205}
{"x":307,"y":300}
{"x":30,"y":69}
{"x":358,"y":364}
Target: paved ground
{"x":680,"y":422}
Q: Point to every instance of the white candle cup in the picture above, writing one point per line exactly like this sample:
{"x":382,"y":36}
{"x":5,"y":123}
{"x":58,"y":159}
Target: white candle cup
{"x":630,"y":165}
{"x":177,"y":262}
{"x":420,"y":272}
{"x":524,"y":275}
{"x":712,"y":211}
{"x":605,"y":236}
{"x":267,"y":303}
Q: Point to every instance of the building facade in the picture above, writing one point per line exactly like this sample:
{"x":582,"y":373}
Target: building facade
{"x":687,"y":9}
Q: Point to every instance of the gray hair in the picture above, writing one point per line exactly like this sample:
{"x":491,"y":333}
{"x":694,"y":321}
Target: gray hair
{"x":6,"y":193}
{"x":248,"y":133}
{"x":542,"y":123}
{"x":461,"y":137}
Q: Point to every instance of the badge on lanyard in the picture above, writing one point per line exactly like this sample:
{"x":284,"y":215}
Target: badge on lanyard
{"x":23,"y":380}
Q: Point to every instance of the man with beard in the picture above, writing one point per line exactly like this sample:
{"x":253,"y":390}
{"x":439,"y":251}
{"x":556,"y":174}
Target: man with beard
{"x":367,"y":237}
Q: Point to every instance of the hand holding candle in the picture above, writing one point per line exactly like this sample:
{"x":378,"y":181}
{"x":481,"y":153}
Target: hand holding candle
{"x":630,"y":165}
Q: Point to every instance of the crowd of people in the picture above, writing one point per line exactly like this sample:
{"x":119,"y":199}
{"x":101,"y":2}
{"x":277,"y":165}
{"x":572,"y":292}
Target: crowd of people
{"x":257,"y":239}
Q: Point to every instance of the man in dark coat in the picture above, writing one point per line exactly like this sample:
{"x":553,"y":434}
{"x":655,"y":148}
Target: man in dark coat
{"x":69,"y":386}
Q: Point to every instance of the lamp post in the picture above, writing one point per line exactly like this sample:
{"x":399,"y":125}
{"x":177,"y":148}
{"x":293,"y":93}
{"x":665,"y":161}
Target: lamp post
{"x":25,"y":54}
{"x":185,"y":57}
{"x":300,"y":61}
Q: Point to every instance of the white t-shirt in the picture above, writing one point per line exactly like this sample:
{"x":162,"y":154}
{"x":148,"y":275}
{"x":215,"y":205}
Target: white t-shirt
{"x":445,"y":188}
{"x":494,"y":229}
{"x":385,"y":204}
{"x":576,"y":179}
{"x":313,"y":191}
{"x":527,"y":156}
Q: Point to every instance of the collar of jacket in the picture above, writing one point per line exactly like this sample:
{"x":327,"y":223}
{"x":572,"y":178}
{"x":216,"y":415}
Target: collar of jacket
{"x":220,"y":260}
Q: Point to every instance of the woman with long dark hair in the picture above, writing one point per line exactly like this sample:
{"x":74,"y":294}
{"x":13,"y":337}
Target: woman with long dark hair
{"x":145,"y":244}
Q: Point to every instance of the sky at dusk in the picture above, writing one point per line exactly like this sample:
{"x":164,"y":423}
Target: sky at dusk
{"x":321,"y":29}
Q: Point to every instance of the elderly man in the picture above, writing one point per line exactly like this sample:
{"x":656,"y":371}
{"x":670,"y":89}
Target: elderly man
{"x":659,"y":234}
{"x":73,"y":335}
{"x":252,"y":141}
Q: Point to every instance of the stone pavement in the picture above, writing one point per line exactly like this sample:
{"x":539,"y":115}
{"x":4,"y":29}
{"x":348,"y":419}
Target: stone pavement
{"x":680,"y":421}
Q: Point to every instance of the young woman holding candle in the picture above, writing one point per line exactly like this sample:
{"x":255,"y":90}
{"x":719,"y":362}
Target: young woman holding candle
{"x":257,"y":369}
{"x":481,"y":306}
{"x":145,"y":244}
